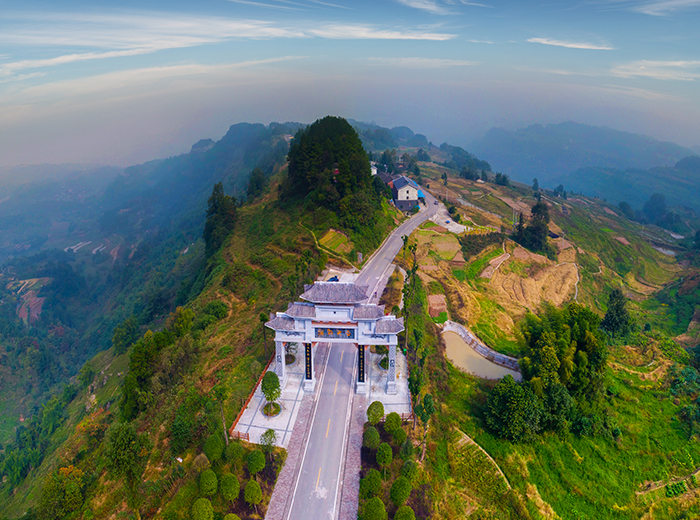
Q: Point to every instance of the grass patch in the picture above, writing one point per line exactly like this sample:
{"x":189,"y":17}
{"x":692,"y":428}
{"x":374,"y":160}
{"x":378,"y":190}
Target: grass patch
{"x":442,"y":318}
{"x":459,"y":274}
{"x":477,"y":267}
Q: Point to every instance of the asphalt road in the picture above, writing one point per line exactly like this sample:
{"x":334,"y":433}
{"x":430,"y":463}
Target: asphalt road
{"x":382,"y":259}
{"x":317,"y":493}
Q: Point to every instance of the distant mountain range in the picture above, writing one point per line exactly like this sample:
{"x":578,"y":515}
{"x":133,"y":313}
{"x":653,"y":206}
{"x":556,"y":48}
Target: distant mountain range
{"x":554,"y":151}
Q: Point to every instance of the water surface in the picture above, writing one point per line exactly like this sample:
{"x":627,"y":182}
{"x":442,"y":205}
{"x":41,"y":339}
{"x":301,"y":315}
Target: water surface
{"x":463,"y":356}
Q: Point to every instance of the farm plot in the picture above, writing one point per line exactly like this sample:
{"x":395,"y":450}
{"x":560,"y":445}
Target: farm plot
{"x":336,"y":241}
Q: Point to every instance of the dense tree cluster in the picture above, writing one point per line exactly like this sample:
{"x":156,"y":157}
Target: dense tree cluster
{"x":563,"y":366}
{"x":534,"y":235}
{"x":221,"y":218}
{"x":329,"y":168}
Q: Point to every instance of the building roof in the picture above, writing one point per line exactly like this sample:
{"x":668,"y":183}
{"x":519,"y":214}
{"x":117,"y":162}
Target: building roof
{"x":404,"y":181}
{"x":389,"y":325}
{"x":385,"y":177}
{"x":280,"y":323}
{"x":368,"y":312}
{"x":301,"y":310}
{"x":335,"y":292}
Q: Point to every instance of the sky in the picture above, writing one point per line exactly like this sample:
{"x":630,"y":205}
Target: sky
{"x":120,"y":83}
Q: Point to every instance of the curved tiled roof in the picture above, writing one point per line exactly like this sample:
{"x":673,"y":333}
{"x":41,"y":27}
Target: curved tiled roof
{"x":368,"y":312}
{"x":389,"y":326}
{"x":335,"y":292}
{"x":301,"y":310}
{"x":280,"y":323}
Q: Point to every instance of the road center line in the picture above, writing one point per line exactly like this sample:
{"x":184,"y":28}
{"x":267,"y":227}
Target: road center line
{"x":328,"y":428}
{"x":318,"y":478}
{"x":336,"y":388}
{"x":341,"y":355}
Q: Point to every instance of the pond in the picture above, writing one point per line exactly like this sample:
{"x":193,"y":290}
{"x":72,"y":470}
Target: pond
{"x":463,"y":356}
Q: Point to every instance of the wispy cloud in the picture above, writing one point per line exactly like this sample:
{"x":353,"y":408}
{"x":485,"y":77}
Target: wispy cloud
{"x":665,"y":7}
{"x":266,"y":6}
{"x":571,"y":45}
{"x":422,"y":63}
{"x":663,"y":70}
{"x":426,"y":5}
{"x":367,"y":32}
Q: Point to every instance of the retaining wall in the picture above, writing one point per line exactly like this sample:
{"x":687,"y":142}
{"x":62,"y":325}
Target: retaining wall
{"x":476,"y":344}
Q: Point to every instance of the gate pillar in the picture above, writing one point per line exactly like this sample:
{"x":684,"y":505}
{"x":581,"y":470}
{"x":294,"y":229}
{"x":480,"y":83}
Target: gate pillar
{"x":391,"y":376}
{"x":309,"y":373}
{"x":362,"y":383}
{"x":280,"y":363}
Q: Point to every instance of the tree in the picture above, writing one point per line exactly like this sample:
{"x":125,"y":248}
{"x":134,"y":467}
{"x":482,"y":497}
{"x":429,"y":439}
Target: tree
{"x":400,"y":491}
{"x":256,"y":462}
{"x":513,"y":411}
{"x":230,"y":487}
{"x":125,"y":335}
{"x":62,"y":493}
{"x":127,"y":453}
{"x":202,"y":510}
{"x":220,"y":392}
{"x":375,"y":412}
{"x":410,"y":470}
{"x":371,"y":439}
{"x":214,"y":447}
{"x":221,"y":219}
{"x":425,"y":411}
{"x":264,"y":318}
{"x":256,"y":183}
{"x":371,"y":484}
{"x":626,"y":209}
{"x":384,"y":456}
{"x":375,"y":510}
{"x":405,"y":513}
{"x":231,"y":516}
{"x":86,"y":375}
{"x":655,"y":207}
{"x":270,"y":386}
{"x":268,"y":440}
{"x":253,"y":494}
{"x":392,"y":422}
{"x":208,"y":483}
{"x":617,"y":320}
{"x":399,"y":436}
{"x":535,"y":185}
{"x":234,"y":453}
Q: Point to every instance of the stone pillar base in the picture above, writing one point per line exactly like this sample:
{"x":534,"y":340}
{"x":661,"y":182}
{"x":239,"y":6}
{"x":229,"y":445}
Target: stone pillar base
{"x":361,"y":388}
{"x":309,"y":385}
{"x":391,"y":387}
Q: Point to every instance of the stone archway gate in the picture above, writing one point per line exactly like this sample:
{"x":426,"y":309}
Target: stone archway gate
{"x":335,"y":312}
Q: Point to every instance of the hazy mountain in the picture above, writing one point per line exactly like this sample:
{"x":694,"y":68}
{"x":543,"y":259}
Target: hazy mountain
{"x":377,"y":138}
{"x":680,"y":183}
{"x":555,"y":150}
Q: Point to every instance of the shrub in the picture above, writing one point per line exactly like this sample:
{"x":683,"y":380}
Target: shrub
{"x":375,"y":412}
{"x":235,"y":453}
{"x":208,"y":483}
{"x":406,"y":450}
{"x":214,"y":447}
{"x":400,"y":491}
{"x":270,"y":386}
{"x":375,"y":510}
{"x":268,"y":440}
{"x":231,"y":516}
{"x":202,"y":510}
{"x":371,"y":438}
{"x":253,"y":493}
{"x":230,"y":487}
{"x":216,"y":308}
{"x":256,"y":462}
{"x":410,"y":470}
{"x":393,"y":422}
{"x":384,"y":456}
{"x":371,"y":484}
{"x":403,"y":513}
{"x":399,"y":435}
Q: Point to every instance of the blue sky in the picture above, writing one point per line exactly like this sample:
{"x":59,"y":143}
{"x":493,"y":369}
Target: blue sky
{"x":121,"y":83}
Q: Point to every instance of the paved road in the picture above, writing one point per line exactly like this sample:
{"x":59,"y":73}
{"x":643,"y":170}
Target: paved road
{"x":316,"y":495}
{"x":374,"y":269}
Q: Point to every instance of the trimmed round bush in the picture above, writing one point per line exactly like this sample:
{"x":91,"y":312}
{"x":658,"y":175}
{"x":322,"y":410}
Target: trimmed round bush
{"x":410,"y":470}
{"x":202,"y":510}
{"x":214,"y":447}
{"x":256,"y":461}
{"x":230,"y":487}
{"x":400,"y":491}
{"x":399,"y":436}
{"x":406,"y":450}
{"x":231,"y":516}
{"x":371,"y":439}
{"x":375,"y":510}
{"x":384,"y":455}
{"x":392,"y":422}
{"x":371,"y":484}
{"x":402,"y":513}
{"x":235,"y":452}
{"x":375,"y":412}
{"x":208,"y":483}
{"x":252,"y":493}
